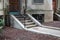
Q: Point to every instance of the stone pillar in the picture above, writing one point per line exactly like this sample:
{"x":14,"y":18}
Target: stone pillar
{"x":48,"y":17}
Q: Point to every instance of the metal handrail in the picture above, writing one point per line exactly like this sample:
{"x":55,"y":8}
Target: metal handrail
{"x":57,"y":14}
{"x":35,"y":20}
{"x":17,"y":21}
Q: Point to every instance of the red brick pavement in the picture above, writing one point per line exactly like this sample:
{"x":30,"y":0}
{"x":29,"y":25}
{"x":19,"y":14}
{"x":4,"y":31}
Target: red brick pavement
{"x":54,"y":24}
{"x":16,"y":34}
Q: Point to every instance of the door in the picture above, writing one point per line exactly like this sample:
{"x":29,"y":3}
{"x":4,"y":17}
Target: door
{"x":14,"y":5}
{"x":54,"y":5}
{"x":14,"y":8}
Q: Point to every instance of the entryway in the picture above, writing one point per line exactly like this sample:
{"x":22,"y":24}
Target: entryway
{"x":14,"y":7}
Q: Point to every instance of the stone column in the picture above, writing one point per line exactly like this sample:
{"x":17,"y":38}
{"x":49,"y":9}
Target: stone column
{"x":48,"y":17}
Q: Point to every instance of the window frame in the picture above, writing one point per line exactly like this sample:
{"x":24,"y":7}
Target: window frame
{"x":37,"y":3}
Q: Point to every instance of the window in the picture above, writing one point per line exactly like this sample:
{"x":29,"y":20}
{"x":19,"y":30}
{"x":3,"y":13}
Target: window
{"x":39,"y":17}
{"x":38,"y":1}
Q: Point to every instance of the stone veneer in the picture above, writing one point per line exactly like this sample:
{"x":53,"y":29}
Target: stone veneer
{"x":48,"y":16}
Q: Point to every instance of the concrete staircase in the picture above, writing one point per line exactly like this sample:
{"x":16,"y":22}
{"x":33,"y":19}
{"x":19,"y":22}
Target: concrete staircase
{"x":27,"y":22}
{"x":24,"y":19}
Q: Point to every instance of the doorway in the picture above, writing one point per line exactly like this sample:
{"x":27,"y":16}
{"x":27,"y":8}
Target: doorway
{"x":54,"y":5}
{"x":14,"y":7}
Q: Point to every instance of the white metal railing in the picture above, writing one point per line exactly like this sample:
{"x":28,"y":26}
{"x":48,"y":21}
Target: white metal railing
{"x":57,"y":14}
{"x":16,"y":20}
{"x":34,"y":20}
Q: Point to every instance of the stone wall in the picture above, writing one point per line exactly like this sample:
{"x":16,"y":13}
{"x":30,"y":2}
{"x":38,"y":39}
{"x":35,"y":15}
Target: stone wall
{"x":48,"y":16}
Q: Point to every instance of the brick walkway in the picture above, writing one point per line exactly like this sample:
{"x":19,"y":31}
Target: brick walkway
{"x":15,"y":34}
{"x":54,"y":24}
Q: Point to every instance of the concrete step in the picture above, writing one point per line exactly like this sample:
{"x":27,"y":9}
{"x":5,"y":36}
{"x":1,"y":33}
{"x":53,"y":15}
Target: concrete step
{"x":23,"y":18}
{"x":19,"y":16}
{"x":30,"y":25}
{"x":26,"y":21}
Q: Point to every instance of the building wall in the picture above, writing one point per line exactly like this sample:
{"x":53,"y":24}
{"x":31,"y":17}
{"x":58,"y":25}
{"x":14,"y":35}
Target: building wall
{"x":47,"y":5}
{"x":37,"y":9}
